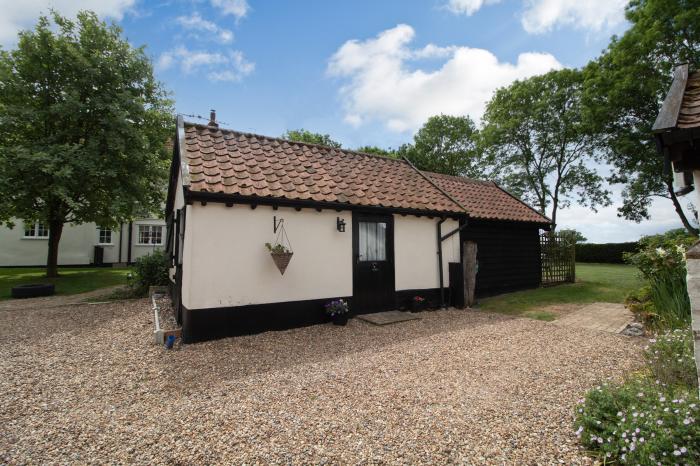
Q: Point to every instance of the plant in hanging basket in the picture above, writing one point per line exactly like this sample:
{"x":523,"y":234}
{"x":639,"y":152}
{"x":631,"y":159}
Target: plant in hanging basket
{"x":338,"y":311}
{"x":281,"y":255}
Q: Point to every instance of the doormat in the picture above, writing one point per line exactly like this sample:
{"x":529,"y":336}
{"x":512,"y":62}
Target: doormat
{"x":388,"y":317}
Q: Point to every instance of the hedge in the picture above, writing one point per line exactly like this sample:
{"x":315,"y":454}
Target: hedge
{"x":607,"y":253}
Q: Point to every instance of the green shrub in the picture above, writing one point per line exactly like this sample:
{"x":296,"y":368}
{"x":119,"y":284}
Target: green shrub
{"x":151,"y":270}
{"x":605,"y":253}
{"x":641,"y":304}
{"x":670,"y":359}
{"x":641,"y":422}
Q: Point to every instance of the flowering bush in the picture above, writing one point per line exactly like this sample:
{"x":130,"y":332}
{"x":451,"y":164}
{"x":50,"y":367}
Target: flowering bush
{"x":650,"y":419}
{"x":670,"y":358}
{"x":664,"y":303}
{"x":418,"y":299}
{"x":641,"y":422}
{"x":337,"y":307}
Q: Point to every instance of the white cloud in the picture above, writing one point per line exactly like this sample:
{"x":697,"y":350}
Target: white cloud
{"x":381,"y":86}
{"x":467,"y":7}
{"x":544,"y":15}
{"x":237,"y":8}
{"x":196,"y":24}
{"x":19,"y":15}
{"x":231,"y":66}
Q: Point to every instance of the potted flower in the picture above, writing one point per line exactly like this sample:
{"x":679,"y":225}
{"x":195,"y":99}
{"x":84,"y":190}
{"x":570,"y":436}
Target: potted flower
{"x":417,"y":304}
{"x":281,"y":255}
{"x":338,"y":311}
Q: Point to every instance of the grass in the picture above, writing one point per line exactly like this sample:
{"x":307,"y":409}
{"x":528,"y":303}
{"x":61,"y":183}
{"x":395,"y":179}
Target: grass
{"x":72,"y":280}
{"x":608,"y":283}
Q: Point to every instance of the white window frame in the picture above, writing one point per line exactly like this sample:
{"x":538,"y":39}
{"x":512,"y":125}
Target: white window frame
{"x":100,"y":230}
{"x":150,"y":229}
{"x":34,"y":228}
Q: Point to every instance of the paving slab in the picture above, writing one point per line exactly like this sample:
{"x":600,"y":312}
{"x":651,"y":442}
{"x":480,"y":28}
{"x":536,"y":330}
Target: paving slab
{"x":607,"y":317}
{"x":388,"y":317}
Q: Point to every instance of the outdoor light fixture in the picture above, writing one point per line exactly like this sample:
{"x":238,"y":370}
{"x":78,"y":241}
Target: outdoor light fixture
{"x":340,"y":224}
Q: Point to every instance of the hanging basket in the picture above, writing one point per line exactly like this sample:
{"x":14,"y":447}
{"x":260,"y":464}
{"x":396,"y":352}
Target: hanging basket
{"x":281,"y":250}
{"x":281,"y":260}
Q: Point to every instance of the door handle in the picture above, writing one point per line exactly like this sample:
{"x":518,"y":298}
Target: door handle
{"x":374,"y":267}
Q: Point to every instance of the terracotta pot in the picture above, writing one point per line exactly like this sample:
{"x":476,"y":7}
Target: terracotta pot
{"x":281,"y":260}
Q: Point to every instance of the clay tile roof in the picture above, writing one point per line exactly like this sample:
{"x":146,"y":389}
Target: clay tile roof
{"x":230,"y":162}
{"x":486,"y":200}
{"x":689,"y":114}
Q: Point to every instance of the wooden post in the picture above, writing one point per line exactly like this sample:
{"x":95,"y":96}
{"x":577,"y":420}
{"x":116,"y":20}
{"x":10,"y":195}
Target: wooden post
{"x":469,"y":271}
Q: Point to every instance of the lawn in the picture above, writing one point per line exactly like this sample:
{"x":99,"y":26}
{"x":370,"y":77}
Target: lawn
{"x":72,"y":280}
{"x":608,"y":283}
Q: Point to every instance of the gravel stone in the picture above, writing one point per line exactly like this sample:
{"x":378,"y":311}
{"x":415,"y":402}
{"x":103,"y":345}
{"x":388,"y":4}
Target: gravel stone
{"x":85,"y":385}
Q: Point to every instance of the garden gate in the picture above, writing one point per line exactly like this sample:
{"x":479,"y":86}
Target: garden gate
{"x":558,"y":253}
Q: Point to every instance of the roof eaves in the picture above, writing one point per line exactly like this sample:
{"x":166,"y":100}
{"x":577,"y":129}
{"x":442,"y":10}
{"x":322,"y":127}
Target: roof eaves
{"x":670,"y":109}
{"x":546,"y":219}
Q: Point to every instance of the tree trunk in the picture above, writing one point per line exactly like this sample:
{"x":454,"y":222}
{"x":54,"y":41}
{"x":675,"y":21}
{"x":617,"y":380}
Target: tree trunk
{"x":679,"y":210}
{"x":55,"y":230}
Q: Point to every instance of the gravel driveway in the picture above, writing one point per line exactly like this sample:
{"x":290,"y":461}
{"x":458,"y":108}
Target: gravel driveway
{"x":84,"y":384}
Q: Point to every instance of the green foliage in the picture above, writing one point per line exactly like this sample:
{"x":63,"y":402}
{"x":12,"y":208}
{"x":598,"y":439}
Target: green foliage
{"x":446,"y":144}
{"x":624,"y":89}
{"x":151,"y":270}
{"x":641,"y":422}
{"x":641,"y":303}
{"x":302,"y":135}
{"x":573,"y":236}
{"x":378,"y":151}
{"x":670,"y":358}
{"x":605,"y":253}
{"x":536,"y":134}
{"x":277,"y":248}
{"x":85,"y":120}
{"x":73,"y":280}
{"x":661,"y":261}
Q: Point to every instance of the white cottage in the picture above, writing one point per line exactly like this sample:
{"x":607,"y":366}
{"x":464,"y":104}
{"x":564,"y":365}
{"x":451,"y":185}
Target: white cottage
{"x":370,"y":229}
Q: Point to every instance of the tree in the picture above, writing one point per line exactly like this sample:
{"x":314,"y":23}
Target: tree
{"x":624,"y":89}
{"x":302,"y":135}
{"x":534,"y":132}
{"x":378,"y":151}
{"x":83,"y":126}
{"x":446,"y":144}
{"x":573,"y":235}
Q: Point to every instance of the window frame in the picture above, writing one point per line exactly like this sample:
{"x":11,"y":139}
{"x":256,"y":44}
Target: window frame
{"x":150,"y":229}
{"x":35,"y":228}
{"x":100,"y":230}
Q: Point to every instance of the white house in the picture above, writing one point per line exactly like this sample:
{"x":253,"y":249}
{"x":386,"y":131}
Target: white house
{"x":86,"y":244}
{"x":373,"y":230}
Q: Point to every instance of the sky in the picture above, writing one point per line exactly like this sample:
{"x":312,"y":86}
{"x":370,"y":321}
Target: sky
{"x":365,"y":72}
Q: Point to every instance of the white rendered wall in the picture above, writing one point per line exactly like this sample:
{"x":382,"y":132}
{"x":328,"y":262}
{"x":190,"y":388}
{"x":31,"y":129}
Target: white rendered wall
{"x":415,"y":252}
{"x":230,"y":266}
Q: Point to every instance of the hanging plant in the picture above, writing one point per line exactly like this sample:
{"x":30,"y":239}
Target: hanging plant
{"x":281,"y":254}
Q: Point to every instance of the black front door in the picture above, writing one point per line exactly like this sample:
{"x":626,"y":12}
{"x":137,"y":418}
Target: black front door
{"x":373,"y":263}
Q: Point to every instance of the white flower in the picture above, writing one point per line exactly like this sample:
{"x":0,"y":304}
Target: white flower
{"x":661,"y":252}
{"x":676,"y":453}
{"x":684,"y":449}
{"x":686,"y":421}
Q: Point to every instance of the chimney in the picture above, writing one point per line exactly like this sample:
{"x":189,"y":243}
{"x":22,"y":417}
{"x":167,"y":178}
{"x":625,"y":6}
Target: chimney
{"x":212,"y":119}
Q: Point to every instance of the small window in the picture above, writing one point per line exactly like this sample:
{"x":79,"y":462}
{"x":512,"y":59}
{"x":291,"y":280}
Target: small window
{"x":372,"y":241}
{"x":150,"y":234}
{"x":105,"y":235}
{"x":36,"y":230}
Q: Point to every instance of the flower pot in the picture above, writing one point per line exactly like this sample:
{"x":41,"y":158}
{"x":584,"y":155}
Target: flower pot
{"x":281,"y":260}
{"x":417,"y":306}
{"x":340,"y":319}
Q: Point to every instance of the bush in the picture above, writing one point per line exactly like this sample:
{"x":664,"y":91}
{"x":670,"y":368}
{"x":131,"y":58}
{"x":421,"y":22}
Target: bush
{"x":151,"y":270}
{"x":642,"y":305}
{"x":652,"y":418}
{"x":606,"y":253}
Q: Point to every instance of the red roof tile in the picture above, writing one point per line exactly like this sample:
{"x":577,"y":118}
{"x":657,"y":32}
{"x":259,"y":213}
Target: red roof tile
{"x":231,"y":162}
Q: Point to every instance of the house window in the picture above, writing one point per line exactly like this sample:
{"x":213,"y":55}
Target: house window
{"x":372,"y":241}
{"x":150,"y":234}
{"x":36,"y":230}
{"x":105,"y":235}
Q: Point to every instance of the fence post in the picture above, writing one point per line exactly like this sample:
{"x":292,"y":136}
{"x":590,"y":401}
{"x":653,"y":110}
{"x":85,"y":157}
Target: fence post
{"x":693,"y":284}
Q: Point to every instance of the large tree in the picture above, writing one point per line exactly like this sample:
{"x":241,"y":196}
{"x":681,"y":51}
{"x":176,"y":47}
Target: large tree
{"x":303,"y":135}
{"x":535,"y":133}
{"x":446,"y":144}
{"x":83,"y":127}
{"x":625,"y":87}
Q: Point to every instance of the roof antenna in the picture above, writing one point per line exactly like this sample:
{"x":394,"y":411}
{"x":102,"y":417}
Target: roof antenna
{"x":212,"y":119}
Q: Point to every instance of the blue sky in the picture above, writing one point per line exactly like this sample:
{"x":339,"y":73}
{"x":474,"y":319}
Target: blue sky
{"x":365,"y":72}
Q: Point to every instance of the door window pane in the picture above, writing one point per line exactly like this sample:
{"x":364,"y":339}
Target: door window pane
{"x":372,"y":236}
